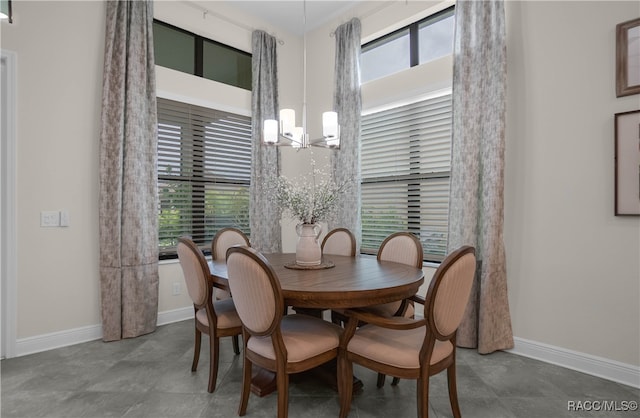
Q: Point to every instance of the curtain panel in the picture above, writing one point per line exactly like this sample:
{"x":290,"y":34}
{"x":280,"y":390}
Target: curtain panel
{"x":264,"y":216}
{"x":477,"y":168}
{"x":345,"y":163}
{"x":128,"y":190}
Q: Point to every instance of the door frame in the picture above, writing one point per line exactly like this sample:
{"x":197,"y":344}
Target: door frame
{"x":8,"y":237}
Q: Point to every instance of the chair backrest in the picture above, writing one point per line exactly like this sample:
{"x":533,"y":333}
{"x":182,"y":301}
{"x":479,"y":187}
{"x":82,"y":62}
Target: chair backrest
{"x":449,"y":291}
{"x":339,"y":241}
{"x":195,"y":270}
{"x":225,"y":238}
{"x":401,"y":247}
{"x":256,"y":290}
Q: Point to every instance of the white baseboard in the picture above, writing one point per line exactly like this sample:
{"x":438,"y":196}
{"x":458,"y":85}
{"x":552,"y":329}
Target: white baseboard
{"x":45,"y":342}
{"x":175,"y":315}
{"x":38,"y":343}
{"x":616,"y":371}
{"x":597,"y":366}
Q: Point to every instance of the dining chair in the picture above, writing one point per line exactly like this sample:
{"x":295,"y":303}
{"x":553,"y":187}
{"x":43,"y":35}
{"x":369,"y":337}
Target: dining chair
{"x":222,"y":240}
{"x":283,"y":344}
{"x":400,"y":247}
{"x":413,"y":348}
{"x":339,"y":241}
{"x":214,"y":318}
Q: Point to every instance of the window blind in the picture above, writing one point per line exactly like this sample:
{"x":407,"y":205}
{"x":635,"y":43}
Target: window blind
{"x":406,"y":162}
{"x":204,"y":170}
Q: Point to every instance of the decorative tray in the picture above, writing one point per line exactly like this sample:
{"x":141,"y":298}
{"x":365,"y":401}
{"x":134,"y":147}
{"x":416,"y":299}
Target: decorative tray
{"x":324,"y":264}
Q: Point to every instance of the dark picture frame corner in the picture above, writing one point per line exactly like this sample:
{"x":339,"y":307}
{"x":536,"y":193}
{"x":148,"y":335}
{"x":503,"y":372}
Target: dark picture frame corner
{"x":628,"y":58}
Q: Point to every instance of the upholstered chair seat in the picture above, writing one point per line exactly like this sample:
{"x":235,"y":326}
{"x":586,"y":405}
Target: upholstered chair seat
{"x":226,"y":312}
{"x":399,"y":247}
{"x":396,"y":348}
{"x":283,"y":344}
{"x":302,"y":338}
{"x":412,"y":348}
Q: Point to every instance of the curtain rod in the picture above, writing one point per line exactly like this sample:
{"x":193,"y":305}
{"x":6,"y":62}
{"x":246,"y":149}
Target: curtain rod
{"x":241,"y":25}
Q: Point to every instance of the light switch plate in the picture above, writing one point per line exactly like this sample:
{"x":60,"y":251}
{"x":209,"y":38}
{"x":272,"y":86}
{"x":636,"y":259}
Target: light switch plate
{"x":49,"y":218}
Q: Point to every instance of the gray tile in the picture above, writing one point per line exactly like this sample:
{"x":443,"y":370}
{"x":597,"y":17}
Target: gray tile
{"x":32,"y":404}
{"x":472,"y":407}
{"x":168,"y":405}
{"x":151,"y":376}
{"x":129,"y":376}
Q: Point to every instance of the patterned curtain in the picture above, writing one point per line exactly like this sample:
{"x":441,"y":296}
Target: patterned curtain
{"x":345,"y":163}
{"x":477,"y":168}
{"x":264,"y":216}
{"x":128,"y":189}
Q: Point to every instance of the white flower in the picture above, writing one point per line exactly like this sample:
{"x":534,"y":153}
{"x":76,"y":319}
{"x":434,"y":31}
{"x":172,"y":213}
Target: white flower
{"x":309,"y":202}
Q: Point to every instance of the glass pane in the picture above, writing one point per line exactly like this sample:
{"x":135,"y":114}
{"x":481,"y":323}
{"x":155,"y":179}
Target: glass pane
{"x":173,"y":49}
{"x":204,"y":170}
{"x":406,"y":153}
{"x":386,"y":56}
{"x":435,"y":38}
{"x":226,"y":65}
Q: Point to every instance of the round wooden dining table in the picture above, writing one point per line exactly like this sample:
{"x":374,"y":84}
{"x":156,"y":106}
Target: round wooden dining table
{"x":350,"y":282}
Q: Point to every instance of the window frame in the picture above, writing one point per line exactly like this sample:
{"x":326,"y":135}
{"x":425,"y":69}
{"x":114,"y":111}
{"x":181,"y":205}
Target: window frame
{"x":194,"y":163}
{"x":199,"y":42}
{"x":414,"y":35}
{"x":415,"y":176}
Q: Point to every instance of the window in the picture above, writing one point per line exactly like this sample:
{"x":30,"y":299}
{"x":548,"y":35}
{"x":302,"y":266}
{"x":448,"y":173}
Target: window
{"x":421,"y":42}
{"x":406,"y":160}
{"x":204,"y":170}
{"x":184,"y":51}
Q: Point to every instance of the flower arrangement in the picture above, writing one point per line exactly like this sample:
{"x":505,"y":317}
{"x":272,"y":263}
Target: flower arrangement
{"x":309,"y":202}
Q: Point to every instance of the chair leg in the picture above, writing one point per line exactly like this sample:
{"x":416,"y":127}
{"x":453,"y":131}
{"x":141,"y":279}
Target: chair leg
{"x":381,"y":379}
{"x":196,"y":350}
{"x":453,"y":390}
{"x":423,"y":396}
{"x":395,"y":381}
{"x":246,"y":386}
{"x":236,"y":346}
{"x":282,"y":384}
{"x":214,"y":354}
{"x":345,"y":384}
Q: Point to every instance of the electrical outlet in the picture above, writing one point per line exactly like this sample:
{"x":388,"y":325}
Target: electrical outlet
{"x":176,"y":289}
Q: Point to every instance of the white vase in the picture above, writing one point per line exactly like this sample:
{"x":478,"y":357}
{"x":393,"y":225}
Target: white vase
{"x":308,"y":251}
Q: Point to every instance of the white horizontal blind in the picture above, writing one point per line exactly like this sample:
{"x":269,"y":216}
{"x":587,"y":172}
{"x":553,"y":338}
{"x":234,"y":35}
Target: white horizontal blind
{"x":406,"y":161}
{"x":204,"y":169}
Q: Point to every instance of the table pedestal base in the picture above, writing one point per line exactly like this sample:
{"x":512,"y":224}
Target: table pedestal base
{"x":263,"y":381}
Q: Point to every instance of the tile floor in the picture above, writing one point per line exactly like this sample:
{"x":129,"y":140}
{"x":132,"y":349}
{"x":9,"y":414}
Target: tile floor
{"x":150,"y":376}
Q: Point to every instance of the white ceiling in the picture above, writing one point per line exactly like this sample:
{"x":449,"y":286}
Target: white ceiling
{"x":289,"y":14}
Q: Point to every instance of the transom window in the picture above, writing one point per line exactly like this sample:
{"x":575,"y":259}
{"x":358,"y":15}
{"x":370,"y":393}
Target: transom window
{"x":184,"y":51}
{"x":418,"y":43}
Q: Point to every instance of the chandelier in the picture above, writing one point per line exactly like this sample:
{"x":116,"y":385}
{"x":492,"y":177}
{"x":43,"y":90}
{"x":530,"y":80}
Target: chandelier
{"x":284,"y":132}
